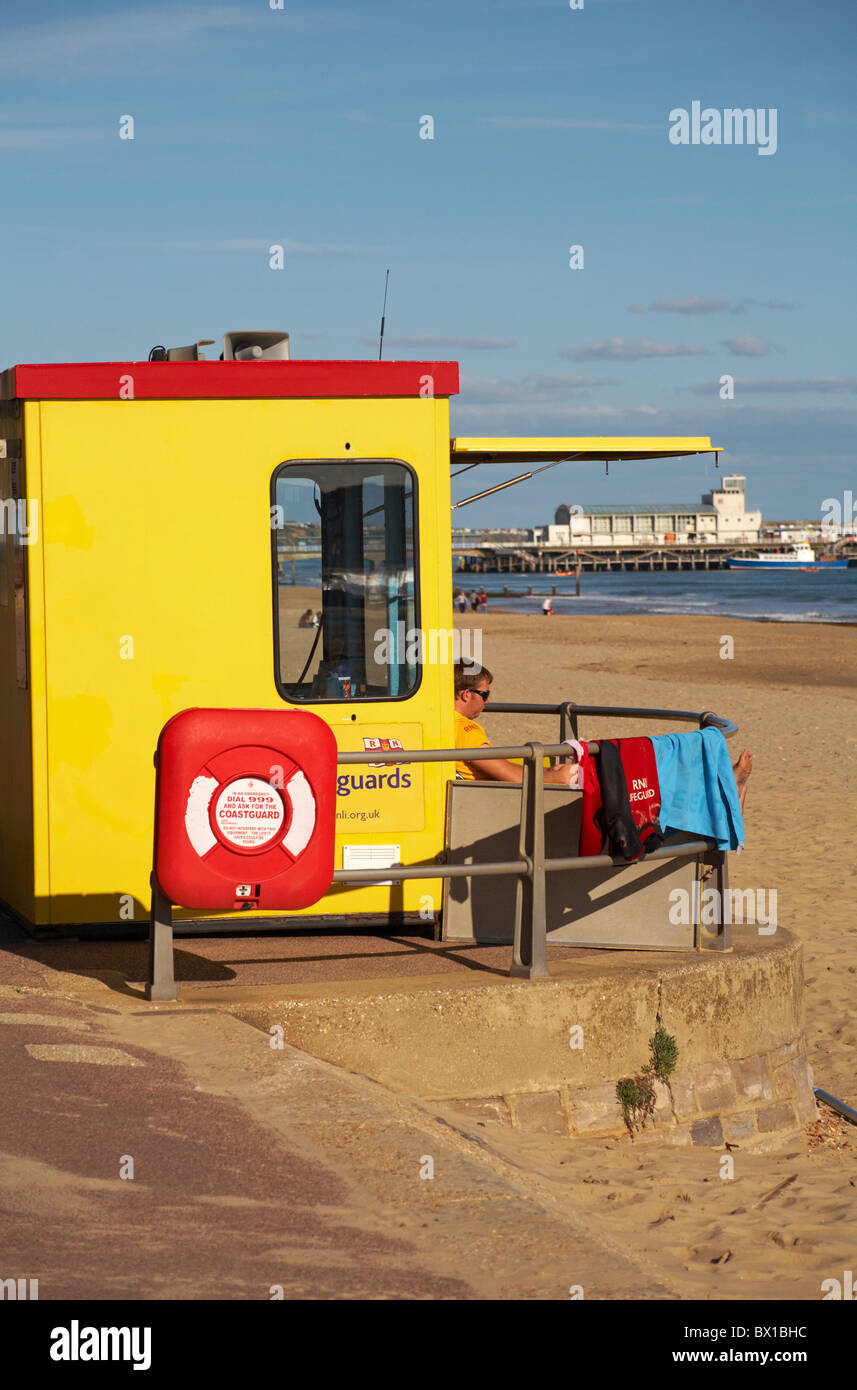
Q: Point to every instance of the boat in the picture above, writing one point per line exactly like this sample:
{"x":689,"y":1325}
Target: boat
{"x":798,"y":557}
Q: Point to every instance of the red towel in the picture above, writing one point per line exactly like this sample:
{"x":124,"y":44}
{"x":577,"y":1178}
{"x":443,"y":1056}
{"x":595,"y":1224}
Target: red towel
{"x":642,"y":792}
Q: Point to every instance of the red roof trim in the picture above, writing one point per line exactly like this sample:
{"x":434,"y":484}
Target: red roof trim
{"x":103,"y":381}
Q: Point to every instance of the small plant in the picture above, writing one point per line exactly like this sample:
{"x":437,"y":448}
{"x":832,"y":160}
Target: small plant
{"x":663,"y":1052}
{"x":636,"y":1094}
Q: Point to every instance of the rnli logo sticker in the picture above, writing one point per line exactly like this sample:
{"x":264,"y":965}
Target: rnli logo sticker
{"x":249,"y":813}
{"x":383,"y":745}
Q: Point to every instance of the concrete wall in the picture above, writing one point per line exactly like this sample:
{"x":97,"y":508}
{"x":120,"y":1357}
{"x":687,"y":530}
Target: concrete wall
{"x":505,"y":1050}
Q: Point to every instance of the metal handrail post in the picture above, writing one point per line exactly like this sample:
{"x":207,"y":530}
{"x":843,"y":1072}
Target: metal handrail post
{"x":161,"y":979}
{"x":723,"y":936}
{"x":568,"y":718}
{"x":529,"y":954}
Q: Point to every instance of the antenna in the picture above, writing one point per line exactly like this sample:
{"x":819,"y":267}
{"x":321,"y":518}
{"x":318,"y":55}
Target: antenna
{"x":383,"y":316}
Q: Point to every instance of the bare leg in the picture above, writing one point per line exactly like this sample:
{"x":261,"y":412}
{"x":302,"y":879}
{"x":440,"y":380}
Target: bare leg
{"x":742,"y":770}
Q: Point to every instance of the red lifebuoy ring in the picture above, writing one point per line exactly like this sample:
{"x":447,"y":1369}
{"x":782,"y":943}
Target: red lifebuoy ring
{"x":234,"y":806}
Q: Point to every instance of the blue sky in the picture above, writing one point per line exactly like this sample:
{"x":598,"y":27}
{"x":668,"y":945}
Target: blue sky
{"x":255,"y":126}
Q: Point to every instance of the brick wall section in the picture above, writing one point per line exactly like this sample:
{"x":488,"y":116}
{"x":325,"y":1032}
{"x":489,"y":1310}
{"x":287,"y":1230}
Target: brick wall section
{"x":750,"y":1101}
{"x":542,"y":1113}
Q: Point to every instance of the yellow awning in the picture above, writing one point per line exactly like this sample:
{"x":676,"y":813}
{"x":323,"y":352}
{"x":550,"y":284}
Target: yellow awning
{"x":604,"y":448}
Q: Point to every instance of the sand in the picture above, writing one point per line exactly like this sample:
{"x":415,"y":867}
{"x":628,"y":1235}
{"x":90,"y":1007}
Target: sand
{"x":791,"y":689}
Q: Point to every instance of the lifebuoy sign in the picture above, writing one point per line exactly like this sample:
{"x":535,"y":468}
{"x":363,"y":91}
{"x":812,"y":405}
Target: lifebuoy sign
{"x":245,"y":808}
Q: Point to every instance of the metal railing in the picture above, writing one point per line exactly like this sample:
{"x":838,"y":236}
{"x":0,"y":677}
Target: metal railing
{"x":569,"y":712}
{"x":529,"y":952}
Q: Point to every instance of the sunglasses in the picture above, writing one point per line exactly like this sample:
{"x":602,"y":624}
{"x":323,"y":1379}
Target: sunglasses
{"x":486,"y":694}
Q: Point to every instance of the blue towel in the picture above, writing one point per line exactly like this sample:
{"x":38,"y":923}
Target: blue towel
{"x":698,"y":791}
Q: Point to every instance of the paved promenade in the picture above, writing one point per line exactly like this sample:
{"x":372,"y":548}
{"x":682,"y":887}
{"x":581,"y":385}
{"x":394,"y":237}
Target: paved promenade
{"x":254,"y":1168}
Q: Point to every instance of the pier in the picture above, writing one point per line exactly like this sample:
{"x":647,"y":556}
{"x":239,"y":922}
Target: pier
{"x":535,"y":558}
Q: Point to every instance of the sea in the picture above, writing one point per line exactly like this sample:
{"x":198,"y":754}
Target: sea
{"x":786,"y":596}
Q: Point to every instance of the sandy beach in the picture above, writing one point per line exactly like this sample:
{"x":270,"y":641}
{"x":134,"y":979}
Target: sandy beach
{"x":791,"y":690}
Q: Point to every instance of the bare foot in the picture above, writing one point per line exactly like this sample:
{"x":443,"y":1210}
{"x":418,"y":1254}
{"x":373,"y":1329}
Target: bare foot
{"x":742,"y":770}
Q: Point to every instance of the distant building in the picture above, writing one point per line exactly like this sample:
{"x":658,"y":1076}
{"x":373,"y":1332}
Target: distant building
{"x":802,"y":531}
{"x":720,"y":516}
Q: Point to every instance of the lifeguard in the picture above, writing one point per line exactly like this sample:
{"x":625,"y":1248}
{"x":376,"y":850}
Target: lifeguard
{"x":472,"y":689}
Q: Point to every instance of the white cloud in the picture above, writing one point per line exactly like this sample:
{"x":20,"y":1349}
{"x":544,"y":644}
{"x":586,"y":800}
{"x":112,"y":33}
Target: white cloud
{"x":48,"y":137}
{"x":691,"y":304}
{"x":747,"y":345}
{"x":744,"y":304}
{"x":764,"y":429}
{"x":839,"y":200}
{"x":628,"y":349}
{"x":563,"y":383}
{"x":563,"y":123}
{"x":532,"y":388}
{"x":127,"y":33}
{"x":435,"y":340}
{"x":512,"y":410}
{"x":257,"y":245}
{"x":696,"y":304}
{"x":819,"y":116}
{"x":817,"y":385}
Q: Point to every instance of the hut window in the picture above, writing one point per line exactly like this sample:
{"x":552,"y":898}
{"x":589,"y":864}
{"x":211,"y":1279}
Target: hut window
{"x":345,"y":601}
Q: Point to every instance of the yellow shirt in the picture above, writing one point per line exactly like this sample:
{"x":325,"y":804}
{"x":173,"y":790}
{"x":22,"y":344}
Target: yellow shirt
{"x":469,"y":734}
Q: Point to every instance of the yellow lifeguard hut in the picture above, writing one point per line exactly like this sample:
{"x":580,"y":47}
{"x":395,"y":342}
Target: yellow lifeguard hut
{"x":156,"y":515}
